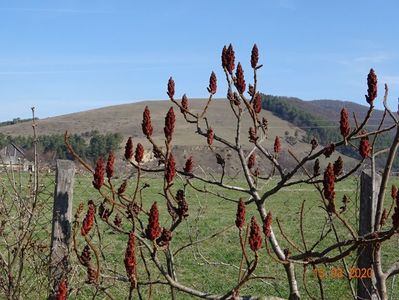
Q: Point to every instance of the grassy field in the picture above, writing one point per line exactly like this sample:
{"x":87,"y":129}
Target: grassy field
{"x":213,"y":265}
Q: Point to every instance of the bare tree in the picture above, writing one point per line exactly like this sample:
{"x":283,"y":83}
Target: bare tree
{"x":157,"y":241}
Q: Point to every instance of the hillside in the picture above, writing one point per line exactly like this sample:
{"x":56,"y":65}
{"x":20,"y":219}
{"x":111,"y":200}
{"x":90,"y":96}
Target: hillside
{"x":126,"y":120}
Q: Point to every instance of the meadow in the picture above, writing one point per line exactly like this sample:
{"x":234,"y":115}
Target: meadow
{"x":212,"y":265}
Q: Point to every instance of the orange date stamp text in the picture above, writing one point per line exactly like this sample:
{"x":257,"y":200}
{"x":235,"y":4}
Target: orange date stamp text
{"x":339,"y":273}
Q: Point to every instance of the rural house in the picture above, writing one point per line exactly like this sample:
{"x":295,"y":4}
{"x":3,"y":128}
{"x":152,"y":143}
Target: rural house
{"x":12,"y":156}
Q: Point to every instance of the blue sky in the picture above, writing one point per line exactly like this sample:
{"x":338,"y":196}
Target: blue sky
{"x":68,"y":56}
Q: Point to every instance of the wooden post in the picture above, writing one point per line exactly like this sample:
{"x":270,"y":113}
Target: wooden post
{"x":61,"y":229}
{"x":368,"y":203}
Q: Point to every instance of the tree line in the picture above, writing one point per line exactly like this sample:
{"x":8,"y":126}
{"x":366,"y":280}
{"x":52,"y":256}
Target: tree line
{"x":89,"y":145}
{"x":315,"y":126}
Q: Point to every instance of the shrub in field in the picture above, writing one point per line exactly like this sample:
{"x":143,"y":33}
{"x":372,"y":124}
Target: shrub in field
{"x":149,"y":242}
{"x":24,"y":232}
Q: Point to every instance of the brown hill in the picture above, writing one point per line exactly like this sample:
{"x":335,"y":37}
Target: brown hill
{"x":126,"y":119}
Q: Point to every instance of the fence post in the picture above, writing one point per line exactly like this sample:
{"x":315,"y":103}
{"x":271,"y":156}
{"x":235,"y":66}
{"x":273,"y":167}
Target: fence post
{"x":61,"y":227}
{"x":368,"y":203}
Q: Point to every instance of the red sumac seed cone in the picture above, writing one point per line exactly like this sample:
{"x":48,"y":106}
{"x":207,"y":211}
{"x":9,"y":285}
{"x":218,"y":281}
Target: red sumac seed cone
{"x":254,"y":56}
{"x":110,"y":165}
{"x":255,"y":238}
{"x":146,"y":126}
{"x":328,"y":184}
{"x":88,"y":221}
{"x":98,"y":176}
{"x":364,"y":147}
{"x":188,"y":168}
{"x":139,"y":155}
{"x":212,"y":84}
{"x":344,"y":123}
{"x":257,"y":103}
{"x":130,"y":259}
{"x":277,"y":145}
{"x":170,"y":121}
{"x":228,"y":58}
{"x":170,"y":171}
{"x":122,"y":188}
{"x":328,"y":150}
{"x":240,"y":215}
{"x":252,"y":135}
{"x":171,"y":88}
{"x":240,"y":81}
{"x":129,"y":149}
{"x":62,"y":292}
{"x":210,"y":136}
{"x":153,"y":229}
{"x":251,"y":161}
{"x":372,"y":87}
{"x":184,"y":104}
{"x":338,"y":166}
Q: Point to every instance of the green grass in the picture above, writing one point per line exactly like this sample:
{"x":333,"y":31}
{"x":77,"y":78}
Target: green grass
{"x":212,"y":265}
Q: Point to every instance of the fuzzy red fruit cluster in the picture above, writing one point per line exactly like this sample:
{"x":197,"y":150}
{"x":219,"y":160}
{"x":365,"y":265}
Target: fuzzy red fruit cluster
{"x":170,"y":121}
{"x":85,"y":256}
{"x":130,"y":259}
{"x":328,"y":150}
{"x":254,"y":56}
{"x":277,"y":145}
{"x":257,"y":103}
{"x":165,"y":238}
{"x":62,"y":292}
{"x":122,"y":187}
{"x":255,"y":238}
{"x":129,"y":149}
{"x":212,"y":84}
{"x":188,"y":167}
{"x":153,"y":229}
{"x":139,"y":154}
{"x":240,"y":81}
{"x":344,"y":123}
{"x":184,"y":104}
{"x":372,"y":87}
{"x":170,"y":171}
{"x":240,"y":215}
{"x":182,"y":208}
{"x":267,"y":225}
{"x":228,"y":58}
{"x":110,"y":165}
{"x":338,"y":166}
{"x":251,"y":161}
{"x":146,"y":125}
{"x":98,"y":176}
{"x":171,"y":88}
{"x":328,"y":184}
{"x":210,"y":136}
{"x":252,"y":135}
{"x":364,"y":147}
{"x":88,"y":221}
